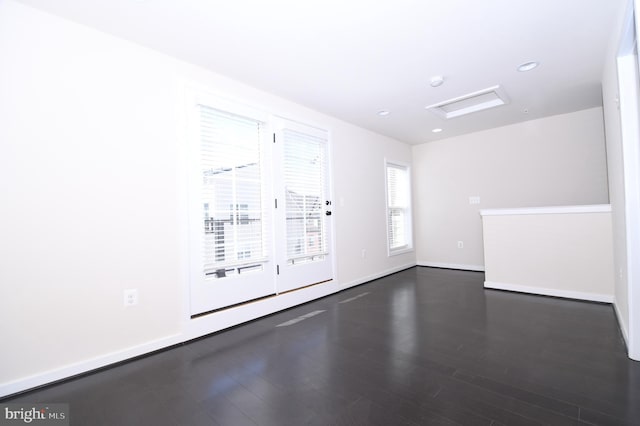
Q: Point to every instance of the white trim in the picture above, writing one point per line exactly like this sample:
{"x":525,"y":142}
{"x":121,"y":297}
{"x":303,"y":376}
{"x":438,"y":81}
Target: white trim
{"x":629,"y":93}
{"x":197,"y":93}
{"x":372,"y":277}
{"x":194,"y":328}
{"x":81,"y":367}
{"x":476,"y":268}
{"x":621,"y":324}
{"x":592,"y":297}
{"x":400,"y":251}
{"x":185,"y":194}
{"x":594,"y":208}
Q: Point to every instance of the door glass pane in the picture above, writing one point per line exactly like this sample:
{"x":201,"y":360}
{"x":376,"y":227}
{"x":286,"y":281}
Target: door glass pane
{"x":305,"y":183}
{"x":232,"y":194}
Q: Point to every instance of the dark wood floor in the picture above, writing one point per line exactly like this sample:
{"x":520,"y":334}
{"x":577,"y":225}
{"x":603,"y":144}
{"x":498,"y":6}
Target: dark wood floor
{"x":420,"y":347}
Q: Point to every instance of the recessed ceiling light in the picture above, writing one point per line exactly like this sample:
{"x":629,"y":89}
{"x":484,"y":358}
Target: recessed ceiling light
{"x":528,"y":66}
{"x":436,"y":80}
{"x":383,"y":112}
{"x":438,"y":130}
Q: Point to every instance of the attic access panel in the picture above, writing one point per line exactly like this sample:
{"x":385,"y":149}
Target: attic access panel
{"x":473,"y":102}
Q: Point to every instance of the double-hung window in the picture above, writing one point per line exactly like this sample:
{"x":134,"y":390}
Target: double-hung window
{"x":399,"y":225}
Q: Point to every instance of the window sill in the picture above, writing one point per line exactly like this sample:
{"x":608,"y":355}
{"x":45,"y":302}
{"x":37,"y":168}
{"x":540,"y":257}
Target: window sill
{"x":396,"y":252}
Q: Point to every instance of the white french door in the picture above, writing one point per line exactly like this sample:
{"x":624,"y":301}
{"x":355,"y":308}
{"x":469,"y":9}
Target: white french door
{"x":304,"y":212}
{"x":260,"y":211}
{"x":230,"y":211}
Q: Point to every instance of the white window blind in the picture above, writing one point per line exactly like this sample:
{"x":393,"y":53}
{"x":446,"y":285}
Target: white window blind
{"x":232,"y":202}
{"x":305,"y":186}
{"x":398,"y":207}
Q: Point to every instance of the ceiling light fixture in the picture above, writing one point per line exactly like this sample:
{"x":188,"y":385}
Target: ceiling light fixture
{"x":473,"y":102}
{"x":437,"y":80}
{"x":438,"y":130}
{"x":383,"y":112}
{"x":528,"y":66}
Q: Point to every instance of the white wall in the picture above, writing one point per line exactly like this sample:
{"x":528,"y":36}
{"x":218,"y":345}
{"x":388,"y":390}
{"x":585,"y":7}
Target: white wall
{"x":558,"y":160}
{"x":93,"y":186}
{"x":559,"y":251}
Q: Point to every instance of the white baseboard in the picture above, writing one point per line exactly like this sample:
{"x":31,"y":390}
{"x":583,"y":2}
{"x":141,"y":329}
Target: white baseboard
{"x":592,"y":297}
{"x":376,"y":276}
{"x":478,"y":268}
{"x":192,"y":328}
{"x":74,"y":369}
{"x":621,"y":324}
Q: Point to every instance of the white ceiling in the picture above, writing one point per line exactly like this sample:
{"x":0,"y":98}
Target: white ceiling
{"x":352,"y":58}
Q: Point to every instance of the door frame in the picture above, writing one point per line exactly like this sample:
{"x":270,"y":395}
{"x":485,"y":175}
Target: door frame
{"x":628,"y":73}
{"x":265,"y":277}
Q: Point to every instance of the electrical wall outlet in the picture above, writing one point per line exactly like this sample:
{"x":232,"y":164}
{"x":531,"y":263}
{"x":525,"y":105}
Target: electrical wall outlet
{"x":130,"y":297}
{"x":460,"y":244}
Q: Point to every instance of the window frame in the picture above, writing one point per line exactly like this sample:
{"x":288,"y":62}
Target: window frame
{"x":407,"y":209}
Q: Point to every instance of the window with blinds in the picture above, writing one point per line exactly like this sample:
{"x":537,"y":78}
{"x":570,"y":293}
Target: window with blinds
{"x":232,"y":202}
{"x":305,"y":187}
{"x":398,"y":207}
